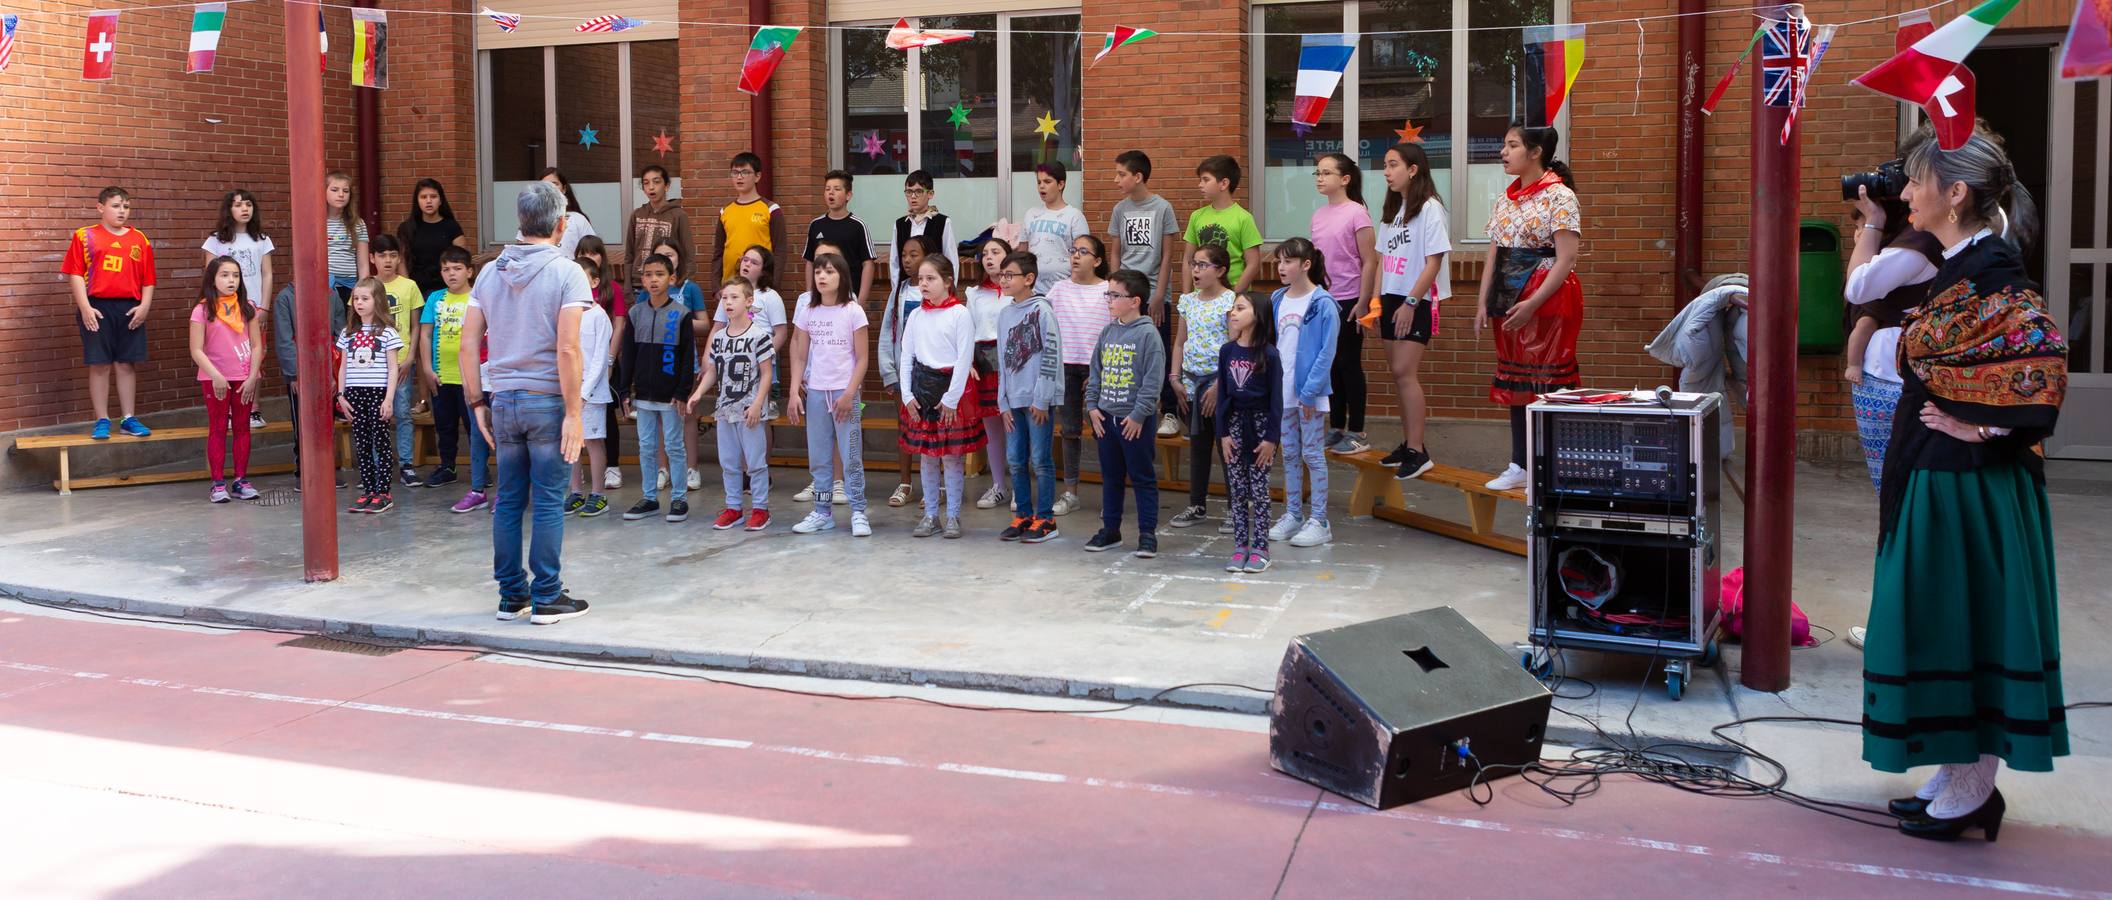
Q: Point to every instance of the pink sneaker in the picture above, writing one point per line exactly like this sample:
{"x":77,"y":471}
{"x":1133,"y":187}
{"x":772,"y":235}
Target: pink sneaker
{"x":471,"y":502}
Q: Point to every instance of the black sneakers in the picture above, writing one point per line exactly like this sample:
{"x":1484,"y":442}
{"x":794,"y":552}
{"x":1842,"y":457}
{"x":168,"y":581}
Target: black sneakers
{"x":641,"y":509}
{"x":678,"y":511}
{"x":564,"y":607}
{"x":1413,"y":463}
{"x":1016,"y":530}
{"x":440,"y":476}
{"x":1394,"y":457}
{"x":1147,"y":546}
{"x":1190,"y":517}
{"x":511,"y":608}
{"x":1105,"y":539}
{"x":1041,"y":530}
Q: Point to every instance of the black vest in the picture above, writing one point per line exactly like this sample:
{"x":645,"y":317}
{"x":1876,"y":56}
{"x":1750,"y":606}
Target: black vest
{"x":934,"y":228}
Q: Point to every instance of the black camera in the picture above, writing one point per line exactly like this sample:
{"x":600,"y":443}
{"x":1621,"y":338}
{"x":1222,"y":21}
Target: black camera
{"x":1885,"y":184}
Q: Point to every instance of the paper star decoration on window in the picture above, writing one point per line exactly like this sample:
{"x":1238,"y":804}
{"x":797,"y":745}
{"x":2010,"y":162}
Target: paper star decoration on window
{"x":957,"y":116}
{"x":588,"y":137}
{"x":662,"y":144}
{"x":1045,"y":126}
{"x":1409,"y":133}
{"x":874,"y":146}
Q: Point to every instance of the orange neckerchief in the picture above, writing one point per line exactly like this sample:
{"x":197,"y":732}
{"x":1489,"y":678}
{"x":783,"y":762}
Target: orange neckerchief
{"x":227,"y":310}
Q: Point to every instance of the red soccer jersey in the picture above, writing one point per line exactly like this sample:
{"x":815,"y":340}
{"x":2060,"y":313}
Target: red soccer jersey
{"x":116,"y":265}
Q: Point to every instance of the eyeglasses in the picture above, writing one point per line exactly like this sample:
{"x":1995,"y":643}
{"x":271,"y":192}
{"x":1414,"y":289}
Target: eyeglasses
{"x":1011,"y":274}
{"x":1319,"y":172}
{"x":1205,"y":264}
{"x":1111,"y":295}
{"x":1083,"y":251}
{"x":914,"y":192}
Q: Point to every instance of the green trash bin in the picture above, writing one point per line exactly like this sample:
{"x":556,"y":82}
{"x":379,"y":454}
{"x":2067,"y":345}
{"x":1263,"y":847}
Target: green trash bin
{"x":1820,"y":282}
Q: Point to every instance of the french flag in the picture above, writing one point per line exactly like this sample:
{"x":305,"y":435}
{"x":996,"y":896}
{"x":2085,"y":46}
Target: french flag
{"x":1321,"y":61}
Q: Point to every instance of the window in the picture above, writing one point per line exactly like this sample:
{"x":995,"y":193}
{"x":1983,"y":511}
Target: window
{"x":967,"y":112}
{"x":595,"y":110}
{"x":1449,"y":71}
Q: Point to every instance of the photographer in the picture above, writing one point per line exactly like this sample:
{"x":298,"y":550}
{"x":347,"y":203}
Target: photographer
{"x":1888,"y":274}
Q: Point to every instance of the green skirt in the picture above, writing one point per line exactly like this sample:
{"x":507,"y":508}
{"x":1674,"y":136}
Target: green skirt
{"x":1963,"y":656}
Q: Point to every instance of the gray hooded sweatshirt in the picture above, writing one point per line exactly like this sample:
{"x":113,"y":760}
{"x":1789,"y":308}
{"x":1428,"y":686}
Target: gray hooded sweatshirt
{"x":519,"y":295}
{"x":1029,"y":355}
{"x":1129,"y":368}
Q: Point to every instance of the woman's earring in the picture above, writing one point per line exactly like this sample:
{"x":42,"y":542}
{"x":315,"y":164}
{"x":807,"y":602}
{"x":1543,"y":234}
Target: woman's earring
{"x":1954,"y":216}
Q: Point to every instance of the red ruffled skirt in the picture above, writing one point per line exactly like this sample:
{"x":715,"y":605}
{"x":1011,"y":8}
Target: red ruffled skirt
{"x":1541,"y":357}
{"x":928,"y":434}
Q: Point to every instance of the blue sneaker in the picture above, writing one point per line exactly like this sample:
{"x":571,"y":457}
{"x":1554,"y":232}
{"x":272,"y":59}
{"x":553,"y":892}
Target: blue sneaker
{"x":102,"y":430}
{"x":134,"y":427}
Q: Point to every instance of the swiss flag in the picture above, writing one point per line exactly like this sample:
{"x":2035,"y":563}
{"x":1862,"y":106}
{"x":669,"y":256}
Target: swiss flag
{"x":99,"y":55}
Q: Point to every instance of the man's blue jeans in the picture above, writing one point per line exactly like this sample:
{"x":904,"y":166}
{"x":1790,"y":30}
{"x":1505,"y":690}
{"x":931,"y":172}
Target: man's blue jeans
{"x":532,"y":472}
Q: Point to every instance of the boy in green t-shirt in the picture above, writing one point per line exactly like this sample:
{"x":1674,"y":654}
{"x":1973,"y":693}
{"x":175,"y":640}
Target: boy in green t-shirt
{"x":405,"y":304}
{"x":1222,"y":222}
{"x":439,"y":349}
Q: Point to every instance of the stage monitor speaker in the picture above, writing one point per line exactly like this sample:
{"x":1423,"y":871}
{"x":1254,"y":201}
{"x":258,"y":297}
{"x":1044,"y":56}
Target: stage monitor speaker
{"x":1386,"y":712}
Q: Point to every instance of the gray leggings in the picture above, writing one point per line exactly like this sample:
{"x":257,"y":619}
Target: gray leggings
{"x":824,"y":436}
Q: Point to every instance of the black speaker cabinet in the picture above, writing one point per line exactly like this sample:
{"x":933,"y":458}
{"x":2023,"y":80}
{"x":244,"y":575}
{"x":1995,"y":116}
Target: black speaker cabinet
{"x":1385,"y":712}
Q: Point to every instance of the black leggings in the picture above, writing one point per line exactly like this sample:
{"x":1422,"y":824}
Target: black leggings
{"x":1346,"y":406}
{"x":1202,"y":444}
{"x":373,"y":440}
{"x":1518,"y":436}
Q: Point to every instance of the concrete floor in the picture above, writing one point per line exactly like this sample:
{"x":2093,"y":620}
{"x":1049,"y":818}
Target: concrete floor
{"x":981,"y":614}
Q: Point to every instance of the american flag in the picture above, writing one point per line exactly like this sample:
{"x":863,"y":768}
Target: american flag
{"x":7,"y":39}
{"x":603,"y":24}
{"x":507,"y":22}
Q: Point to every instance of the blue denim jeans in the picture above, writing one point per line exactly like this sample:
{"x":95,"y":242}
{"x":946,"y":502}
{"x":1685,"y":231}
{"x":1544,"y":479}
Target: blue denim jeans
{"x":532,"y":471}
{"x":404,"y":428}
{"x":828,"y":438}
{"x":1029,"y":452}
{"x":1304,"y":458}
{"x":660,"y":429}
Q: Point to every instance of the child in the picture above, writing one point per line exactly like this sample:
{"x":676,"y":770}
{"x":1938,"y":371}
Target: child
{"x":365,"y":382}
{"x":985,"y":302}
{"x":658,"y":369}
{"x":240,"y":235}
{"x":749,"y":221}
{"x":1030,"y":383}
{"x":406,"y":303}
{"x":597,"y":354}
{"x":1413,"y":242}
{"x":681,"y":287}
{"x":1341,"y":228}
{"x":828,"y":365}
{"x":742,"y":356}
{"x":943,"y":419}
{"x":440,"y":343}
{"x":428,"y":230}
{"x":1142,"y":226}
{"x":907,"y":296}
{"x":1049,"y":229}
{"x":692,"y":298}
{"x":657,"y":219}
{"x":227,"y":343}
{"x":110,"y":268}
{"x":576,"y":225}
{"x":1122,"y":396}
{"x":285,"y":314}
{"x":1221,"y":222}
{"x":346,"y":235}
{"x":1081,"y":313}
{"x":609,"y":295}
{"x":1306,"y":319}
{"x":806,"y":494}
{"x":923,"y":219}
{"x":839,"y":227}
{"x":1197,"y":335}
{"x":1250,"y":404}
{"x":759,"y":266}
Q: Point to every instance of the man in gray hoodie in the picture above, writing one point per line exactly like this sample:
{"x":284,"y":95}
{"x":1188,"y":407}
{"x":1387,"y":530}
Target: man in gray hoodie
{"x":525,"y":310}
{"x":1122,"y":397}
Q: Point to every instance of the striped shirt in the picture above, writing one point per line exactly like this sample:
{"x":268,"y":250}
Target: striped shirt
{"x":344,"y":248}
{"x":1081,"y":313}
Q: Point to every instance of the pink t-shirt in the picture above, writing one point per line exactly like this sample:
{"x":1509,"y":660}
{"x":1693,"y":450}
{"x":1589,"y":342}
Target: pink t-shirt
{"x":1335,"y":227}
{"x":1081,"y":314}
{"x":227,"y":348}
{"x":831,"y":353}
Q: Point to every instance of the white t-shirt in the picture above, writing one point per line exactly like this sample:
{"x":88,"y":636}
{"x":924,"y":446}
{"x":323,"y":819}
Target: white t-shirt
{"x":1048,"y":233}
{"x":1404,"y":248}
{"x":1290,"y":321}
{"x":250,"y":253}
{"x":768,"y":308}
{"x":594,"y":335}
{"x":985,"y":303}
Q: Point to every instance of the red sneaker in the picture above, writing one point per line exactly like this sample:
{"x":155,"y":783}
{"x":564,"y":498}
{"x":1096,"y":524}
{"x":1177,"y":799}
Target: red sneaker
{"x":758,"y":519}
{"x":727,"y":519}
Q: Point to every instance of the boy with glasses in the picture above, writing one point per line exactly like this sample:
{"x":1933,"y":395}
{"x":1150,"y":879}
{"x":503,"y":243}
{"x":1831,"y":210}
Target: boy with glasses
{"x":749,"y":221}
{"x":1029,"y":387}
{"x":923,"y":218}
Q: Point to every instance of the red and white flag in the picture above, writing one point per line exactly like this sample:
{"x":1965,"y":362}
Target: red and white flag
{"x":1912,"y":27}
{"x":99,"y":55}
{"x":1931,"y":72}
{"x":903,"y":37}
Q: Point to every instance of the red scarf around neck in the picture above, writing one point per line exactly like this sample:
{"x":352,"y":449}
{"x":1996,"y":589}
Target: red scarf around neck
{"x":935,"y":305}
{"x":1519,"y":190}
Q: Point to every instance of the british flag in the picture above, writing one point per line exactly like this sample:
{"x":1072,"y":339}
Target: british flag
{"x":507,"y":22}
{"x":604,"y":24}
{"x":7,"y":39}
{"x":1785,"y":62}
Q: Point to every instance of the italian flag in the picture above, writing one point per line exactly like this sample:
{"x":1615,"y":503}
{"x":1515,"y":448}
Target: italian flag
{"x":764,"y":53}
{"x":206,"y":19}
{"x":1917,"y":73}
{"x":1122,"y":36}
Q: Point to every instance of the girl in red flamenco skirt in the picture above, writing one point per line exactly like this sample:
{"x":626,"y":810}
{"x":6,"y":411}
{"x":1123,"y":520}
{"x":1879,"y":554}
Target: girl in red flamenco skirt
{"x":1529,"y":289}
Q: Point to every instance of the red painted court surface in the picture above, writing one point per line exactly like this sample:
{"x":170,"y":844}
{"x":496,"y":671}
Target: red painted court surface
{"x":155,"y":762}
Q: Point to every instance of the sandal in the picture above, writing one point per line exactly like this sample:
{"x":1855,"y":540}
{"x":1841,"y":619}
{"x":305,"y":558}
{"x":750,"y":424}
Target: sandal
{"x":900,"y":497}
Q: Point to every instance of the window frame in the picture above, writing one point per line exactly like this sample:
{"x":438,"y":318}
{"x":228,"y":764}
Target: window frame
{"x":1455,"y":71}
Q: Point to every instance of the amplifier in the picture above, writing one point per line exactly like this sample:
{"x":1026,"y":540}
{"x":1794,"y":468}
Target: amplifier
{"x":1637,"y":460}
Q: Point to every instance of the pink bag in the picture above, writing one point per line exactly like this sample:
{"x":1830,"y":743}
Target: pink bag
{"x":1733,"y":602}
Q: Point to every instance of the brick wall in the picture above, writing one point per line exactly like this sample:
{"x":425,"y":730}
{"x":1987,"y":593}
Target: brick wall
{"x":147,"y":130}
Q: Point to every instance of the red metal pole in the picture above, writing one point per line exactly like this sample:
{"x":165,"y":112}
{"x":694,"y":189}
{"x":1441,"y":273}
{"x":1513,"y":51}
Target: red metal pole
{"x":759,"y":114}
{"x":312,"y":296}
{"x":1693,"y":67}
{"x":1771,"y":427}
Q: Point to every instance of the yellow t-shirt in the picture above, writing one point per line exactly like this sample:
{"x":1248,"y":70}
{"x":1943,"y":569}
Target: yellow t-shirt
{"x":745,"y":225}
{"x":404,"y":304}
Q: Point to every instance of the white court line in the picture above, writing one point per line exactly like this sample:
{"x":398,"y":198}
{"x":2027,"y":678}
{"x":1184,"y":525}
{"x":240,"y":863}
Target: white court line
{"x":1242,"y":579}
{"x":1146,"y":597}
{"x":1567,"y":834}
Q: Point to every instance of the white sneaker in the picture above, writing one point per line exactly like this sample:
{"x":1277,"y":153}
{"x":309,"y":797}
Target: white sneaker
{"x":1064,"y":505}
{"x":663,"y":479}
{"x":1169,"y":426}
{"x":696,"y":481}
{"x":1512,"y":479}
{"x":805,"y":495}
{"x":1313,"y":534}
{"x":256,"y":419}
{"x":1285,"y":526}
{"x":860,"y":525}
{"x":843,"y":498}
{"x":611,"y":478}
{"x":991,"y":498}
{"x":815,"y":521}
{"x":1856,"y":633}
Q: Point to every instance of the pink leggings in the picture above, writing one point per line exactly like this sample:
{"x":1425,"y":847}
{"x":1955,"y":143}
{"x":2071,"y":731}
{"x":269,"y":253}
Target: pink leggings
{"x":220,"y":415}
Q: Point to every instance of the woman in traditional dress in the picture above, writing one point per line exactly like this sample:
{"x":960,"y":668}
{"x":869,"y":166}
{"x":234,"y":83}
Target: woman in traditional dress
{"x":1529,"y":287}
{"x":1962,"y":661}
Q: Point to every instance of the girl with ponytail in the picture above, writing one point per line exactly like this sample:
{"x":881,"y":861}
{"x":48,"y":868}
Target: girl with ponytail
{"x":1529,"y":288}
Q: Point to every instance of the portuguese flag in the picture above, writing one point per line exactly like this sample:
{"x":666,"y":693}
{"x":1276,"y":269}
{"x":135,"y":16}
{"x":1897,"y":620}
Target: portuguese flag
{"x":768,"y":49}
{"x":1915,"y":74}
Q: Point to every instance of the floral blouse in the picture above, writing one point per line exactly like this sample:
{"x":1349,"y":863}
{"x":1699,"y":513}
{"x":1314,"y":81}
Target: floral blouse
{"x":1532,"y":222}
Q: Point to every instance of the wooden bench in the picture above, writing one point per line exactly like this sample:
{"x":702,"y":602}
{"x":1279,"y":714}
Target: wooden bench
{"x":1377,"y":494}
{"x":65,"y":443}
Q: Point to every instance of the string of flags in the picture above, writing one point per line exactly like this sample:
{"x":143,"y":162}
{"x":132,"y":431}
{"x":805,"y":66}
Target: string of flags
{"x":1122,"y":36}
{"x":609,"y":24}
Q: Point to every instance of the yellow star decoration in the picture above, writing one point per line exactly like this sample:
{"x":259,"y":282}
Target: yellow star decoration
{"x":1409,"y":133}
{"x":1045,"y":126}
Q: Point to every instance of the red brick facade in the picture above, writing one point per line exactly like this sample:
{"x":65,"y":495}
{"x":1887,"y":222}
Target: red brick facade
{"x":147,"y":130}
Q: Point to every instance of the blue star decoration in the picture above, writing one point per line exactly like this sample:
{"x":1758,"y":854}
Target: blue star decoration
{"x":588,"y":137}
